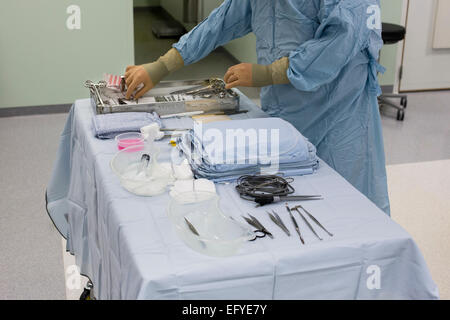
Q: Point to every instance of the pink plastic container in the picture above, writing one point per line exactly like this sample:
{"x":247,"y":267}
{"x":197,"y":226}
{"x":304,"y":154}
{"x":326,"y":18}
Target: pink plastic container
{"x":130,"y":139}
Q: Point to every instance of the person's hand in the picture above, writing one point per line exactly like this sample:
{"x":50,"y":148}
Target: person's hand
{"x":239,"y":75}
{"x":134,"y":76}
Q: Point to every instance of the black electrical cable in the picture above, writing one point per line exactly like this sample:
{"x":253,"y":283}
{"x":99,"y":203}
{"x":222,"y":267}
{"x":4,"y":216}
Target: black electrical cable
{"x":263,"y":188}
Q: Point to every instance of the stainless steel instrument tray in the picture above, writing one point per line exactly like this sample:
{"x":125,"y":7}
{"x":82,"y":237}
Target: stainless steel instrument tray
{"x":168,"y":101}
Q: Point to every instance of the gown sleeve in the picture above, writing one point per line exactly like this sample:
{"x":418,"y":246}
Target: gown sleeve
{"x":341,"y":35}
{"x":229,"y":21}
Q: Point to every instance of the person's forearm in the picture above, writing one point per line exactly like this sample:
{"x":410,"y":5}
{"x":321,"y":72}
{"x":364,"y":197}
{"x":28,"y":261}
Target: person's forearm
{"x":231,"y":20}
{"x":166,"y":64}
{"x":275,"y":73}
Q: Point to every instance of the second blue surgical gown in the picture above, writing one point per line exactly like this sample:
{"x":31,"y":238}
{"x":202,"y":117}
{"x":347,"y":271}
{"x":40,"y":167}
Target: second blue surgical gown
{"x":332,"y":96}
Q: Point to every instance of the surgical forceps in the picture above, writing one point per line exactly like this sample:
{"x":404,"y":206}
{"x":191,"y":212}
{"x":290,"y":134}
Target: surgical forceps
{"x":213,"y":85}
{"x":312,"y":218}
{"x":258,"y":226}
{"x":295,"y":224}
{"x":277,"y":220}
{"x":307,"y":223}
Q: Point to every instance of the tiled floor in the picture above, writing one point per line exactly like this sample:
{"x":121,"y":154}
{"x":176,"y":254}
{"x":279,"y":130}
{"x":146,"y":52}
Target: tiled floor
{"x":420,"y":203}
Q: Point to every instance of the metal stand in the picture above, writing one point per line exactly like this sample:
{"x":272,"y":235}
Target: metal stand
{"x":385,"y":100}
{"x":86,"y":295}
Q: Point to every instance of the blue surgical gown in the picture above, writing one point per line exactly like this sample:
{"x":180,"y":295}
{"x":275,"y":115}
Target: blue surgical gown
{"x":332,"y":96}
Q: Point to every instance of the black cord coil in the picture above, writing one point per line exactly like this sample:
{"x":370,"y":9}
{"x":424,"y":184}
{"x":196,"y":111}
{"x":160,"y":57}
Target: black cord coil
{"x":263,"y":188}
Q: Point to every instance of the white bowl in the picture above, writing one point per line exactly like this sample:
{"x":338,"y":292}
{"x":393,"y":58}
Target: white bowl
{"x":218,"y":235}
{"x":151,"y":181}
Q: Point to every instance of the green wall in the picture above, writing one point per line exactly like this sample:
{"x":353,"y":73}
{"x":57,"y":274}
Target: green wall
{"x":391,"y":11}
{"x":146,"y":3}
{"x":44,"y":63}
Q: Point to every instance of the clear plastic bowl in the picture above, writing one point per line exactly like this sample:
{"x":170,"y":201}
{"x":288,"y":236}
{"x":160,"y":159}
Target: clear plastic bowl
{"x":129,"y":139}
{"x":219,"y":235}
{"x":150,"y":181}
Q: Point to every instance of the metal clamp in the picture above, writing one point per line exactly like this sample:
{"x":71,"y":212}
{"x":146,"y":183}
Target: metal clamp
{"x":94,"y":87}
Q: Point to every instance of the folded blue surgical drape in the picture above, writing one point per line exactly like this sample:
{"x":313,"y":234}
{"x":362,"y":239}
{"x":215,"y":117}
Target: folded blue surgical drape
{"x":226,"y":150}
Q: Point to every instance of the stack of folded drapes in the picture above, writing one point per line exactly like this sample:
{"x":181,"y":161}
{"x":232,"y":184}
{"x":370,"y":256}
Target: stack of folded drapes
{"x":226,"y":150}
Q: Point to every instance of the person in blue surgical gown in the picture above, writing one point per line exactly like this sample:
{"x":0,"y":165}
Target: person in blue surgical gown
{"x":317,"y":66}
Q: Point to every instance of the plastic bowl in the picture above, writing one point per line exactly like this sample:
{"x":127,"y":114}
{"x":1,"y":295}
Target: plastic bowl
{"x":129,"y":139}
{"x":151,"y":181}
{"x":219,"y":236}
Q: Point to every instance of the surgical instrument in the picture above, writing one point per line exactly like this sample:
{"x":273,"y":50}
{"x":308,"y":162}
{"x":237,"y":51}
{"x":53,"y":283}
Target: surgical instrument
{"x":295,"y":224}
{"x":94,"y":88}
{"x":191,"y":227}
{"x":173,"y":133}
{"x":194,"y":231}
{"x":184,"y":91}
{"x":182,"y":114}
{"x":145,"y":160}
{"x":258,"y":230}
{"x":121,"y":101}
{"x":215,"y":86}
{"x":174,"y":129}
{"x":266,"y":189}
{"x":123,"y":84}
{"x":261,"y":226}
{"x":250,"y":222}
{"x":307,"y":223}
{"x":277,"y":220}
{"x":257,"y":225}
{"x":226,"y":112}
{"x":210,"y":85}
{"x":314,"y":219}
{"x":105,"y":98}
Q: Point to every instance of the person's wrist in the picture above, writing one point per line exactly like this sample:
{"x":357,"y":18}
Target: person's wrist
{"x":172,"y":60}
{"x":162,"y":67}
{"x":279,"y":71}
{"x":261,"y":75}
{"x":156,"y":70}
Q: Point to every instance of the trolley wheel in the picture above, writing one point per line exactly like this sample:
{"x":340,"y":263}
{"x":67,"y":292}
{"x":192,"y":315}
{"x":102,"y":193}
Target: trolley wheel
{"x":404,"y":102}
{"x":86,"y":295}
{"x":400,"y":115}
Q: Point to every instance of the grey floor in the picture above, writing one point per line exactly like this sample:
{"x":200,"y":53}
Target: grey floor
{"x":31,"y":263}
{"x":424,"y":135}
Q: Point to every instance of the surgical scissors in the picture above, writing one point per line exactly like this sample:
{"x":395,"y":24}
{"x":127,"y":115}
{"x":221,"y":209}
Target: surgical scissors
{"x":258,"y":233}
{"x":277,"y":220}
{"x":258,"y":226}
